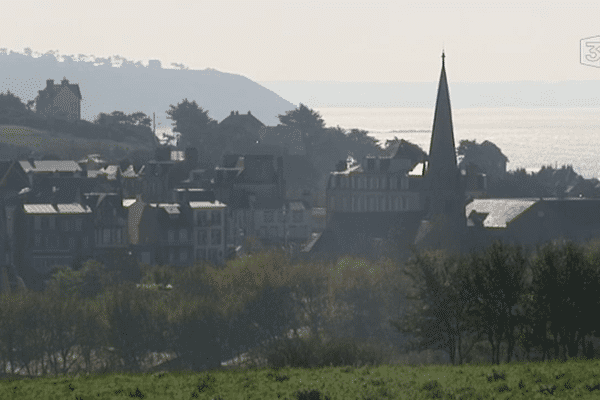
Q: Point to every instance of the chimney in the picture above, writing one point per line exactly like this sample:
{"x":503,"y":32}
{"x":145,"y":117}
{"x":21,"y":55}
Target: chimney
{"x":232,"y":113}
{"x":49,"y":83}
{"x":249,"y":113}
{"x":237,"y":113}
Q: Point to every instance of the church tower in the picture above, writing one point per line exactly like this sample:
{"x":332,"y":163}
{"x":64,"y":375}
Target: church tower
{"x":443,"y":191}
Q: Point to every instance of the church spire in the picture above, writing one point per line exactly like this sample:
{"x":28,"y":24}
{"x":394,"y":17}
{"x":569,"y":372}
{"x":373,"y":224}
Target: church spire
{"x":442,"y":170}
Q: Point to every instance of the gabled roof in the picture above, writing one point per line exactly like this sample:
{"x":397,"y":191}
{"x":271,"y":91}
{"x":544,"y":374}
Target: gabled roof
{"x":241,"y":120}
{"x":56,"y":87}
{"x":10,"y":168}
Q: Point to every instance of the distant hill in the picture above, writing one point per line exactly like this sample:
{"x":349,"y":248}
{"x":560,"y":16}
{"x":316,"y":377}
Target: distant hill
{"x":135,"y":87}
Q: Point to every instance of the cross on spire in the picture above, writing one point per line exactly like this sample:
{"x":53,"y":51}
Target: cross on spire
{"x":443,"y":57}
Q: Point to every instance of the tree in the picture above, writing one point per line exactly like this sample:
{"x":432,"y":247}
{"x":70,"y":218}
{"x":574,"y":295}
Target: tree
{"x":566,"y":287}
{"x":498,"y":278}
{"x":11,"y":104}
{"x":308,"y":121}
{"x":444,"y":316}
{"x":406,"y":149}
{"x":191,"y":122}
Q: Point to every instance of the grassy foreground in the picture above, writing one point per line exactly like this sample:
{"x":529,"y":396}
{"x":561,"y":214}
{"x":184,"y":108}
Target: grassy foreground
{"x":519,"y":380}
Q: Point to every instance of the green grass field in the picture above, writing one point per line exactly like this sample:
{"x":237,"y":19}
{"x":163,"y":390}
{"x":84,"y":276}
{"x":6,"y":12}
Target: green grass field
{"x":575,"y":379}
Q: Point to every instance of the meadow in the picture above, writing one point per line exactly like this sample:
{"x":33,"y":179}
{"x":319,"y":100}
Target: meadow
{"x":518,"y":380}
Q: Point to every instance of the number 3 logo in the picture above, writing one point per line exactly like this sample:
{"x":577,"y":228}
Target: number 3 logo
{"x":594,"y":49}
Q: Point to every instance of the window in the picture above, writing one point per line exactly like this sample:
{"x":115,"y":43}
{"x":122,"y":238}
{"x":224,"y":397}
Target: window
{"x":273,"y":232}
{"x":403,"y":183}
{"x":353,"y":182}
{"x":37,"y":239}
{"x":52,"y":222}
{"x":106,"y":236}
{"x":200,"y":218}
{"x":376,"y":181}
{"x":268,"y":216}
{"x":37,"y":222}
{"x":297,"y":215}
{"x":371,"y":204}
{"x":65,"y":226}
{"x":119,"y":238}
{"x":212,"y":255}
{"x":393,"y":184}
{"x":216,"y":217}
{"x":85,"y":242}
{"x":215,"y":236}
{"x":202,"y":238}
{"x":201,"y":254}
{"x":171,"y":236}
{"x":71,"y":243}
{"x":183,"y":255}
{"x":344,"y":205}
{"x":78,"y":224}
{"x":382,"y":204}
{"x":383,"y":182}
{"x":183,"y":235}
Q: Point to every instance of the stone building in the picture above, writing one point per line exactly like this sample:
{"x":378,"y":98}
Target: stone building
{"x":59,"y":101}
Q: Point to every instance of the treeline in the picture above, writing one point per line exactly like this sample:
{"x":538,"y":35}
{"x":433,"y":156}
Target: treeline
{"x":475,"y":307}
{"x":91,"y":320}
{"x":545,"y":300}
{"x":116,"y":126}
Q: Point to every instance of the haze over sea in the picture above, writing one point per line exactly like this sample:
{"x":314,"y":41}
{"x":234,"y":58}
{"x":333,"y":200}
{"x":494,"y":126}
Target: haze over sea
{"x":529,"y":137}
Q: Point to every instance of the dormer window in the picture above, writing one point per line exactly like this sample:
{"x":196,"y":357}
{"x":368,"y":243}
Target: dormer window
{"x":370,"y":164}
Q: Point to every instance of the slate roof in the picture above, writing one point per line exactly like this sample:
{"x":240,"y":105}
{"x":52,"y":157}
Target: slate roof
{"x":39,"y":209}
{"x":207,"y":204}
{"x":51,"y":166}
{"x":350,"y":233}
{"x":499,"y":213}
{"x":128,"y":202}
{"x":73,"y":208}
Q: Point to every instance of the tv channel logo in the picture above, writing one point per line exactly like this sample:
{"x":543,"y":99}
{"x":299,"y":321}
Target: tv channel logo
{"x":590,"y":51}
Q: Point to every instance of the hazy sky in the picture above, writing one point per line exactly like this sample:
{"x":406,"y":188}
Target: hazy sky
{"x":375,"y":41}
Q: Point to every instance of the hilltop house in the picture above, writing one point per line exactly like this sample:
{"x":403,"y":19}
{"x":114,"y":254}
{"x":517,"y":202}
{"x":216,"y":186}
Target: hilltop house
{"x":59,"y":101}
{"x":247,"y":122}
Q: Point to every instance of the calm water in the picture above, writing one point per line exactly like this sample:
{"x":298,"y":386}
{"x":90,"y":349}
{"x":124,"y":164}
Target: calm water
{"x":529,"y":138}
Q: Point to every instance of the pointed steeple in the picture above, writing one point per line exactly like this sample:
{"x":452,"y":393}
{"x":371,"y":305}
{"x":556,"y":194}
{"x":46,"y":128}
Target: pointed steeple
{"x":442,"y":170}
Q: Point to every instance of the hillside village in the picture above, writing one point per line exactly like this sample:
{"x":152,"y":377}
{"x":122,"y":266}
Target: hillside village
{"x":176,"y":210}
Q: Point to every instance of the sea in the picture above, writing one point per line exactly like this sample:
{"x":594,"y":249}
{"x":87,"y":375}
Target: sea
{"x":529,"y":137}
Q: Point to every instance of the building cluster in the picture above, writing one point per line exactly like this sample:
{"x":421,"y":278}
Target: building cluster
{"x":167,"y":211}
{"x":171,"y":212}
{"x":398,"y":203}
